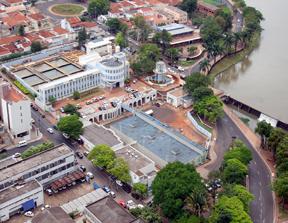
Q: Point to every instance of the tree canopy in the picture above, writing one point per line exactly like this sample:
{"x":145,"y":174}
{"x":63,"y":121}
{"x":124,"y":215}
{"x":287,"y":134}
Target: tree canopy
{"x":163,"y":39}
{"x":276,"y":136}
{"x":239,"y":151}
{"x":36,"y":46}
{"x":194,"y":81}
{"x":120,"y":40}
{"x":140,"y":188}
{"x":102,"y":156}
{"x":148,"y":214}
{"x":264,"y":129}
{"x":175,"y":182}
{"x":188,"y":5}
{"x":210,"y":108}
{"x":98,"y":7}
{"x":142,"y":28}
{"x":235,"y":171}
{"x":280,"y":186}
{"x":82,"y":37}
{"x":71,"y":125}
{"x":229,"y":209}
{"x":115,"y":25}
{"x":201,"y":92}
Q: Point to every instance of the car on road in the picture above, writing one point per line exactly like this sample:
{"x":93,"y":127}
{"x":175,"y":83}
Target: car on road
{"x":34,"y":107}
{"x":16,"y":155}
{"x":112,"y":194}
{"x":119,"y":183}
{"x":49,"y":192}
{"x":65,"y":135}
{"x":82,"y":168}
{"x":43,"y":116}
{"x":86,"y":153}
{"x":29,"y":214}
{"x":80,"y":141}
{"x":50,"y":130}
{"x":79,"y":154}
{"x":130,"y":204}
{"x":106,"y":189}
{"x":22,"y":143}
{"x":122,"y":203}
{"x":90,"y":175}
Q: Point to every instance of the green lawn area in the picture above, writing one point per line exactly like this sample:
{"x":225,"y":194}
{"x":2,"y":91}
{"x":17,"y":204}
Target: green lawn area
{"x":67,"y":9}
{"x":186,"y":63}
{"x":213,"y":2}
{"x":201,"y":124}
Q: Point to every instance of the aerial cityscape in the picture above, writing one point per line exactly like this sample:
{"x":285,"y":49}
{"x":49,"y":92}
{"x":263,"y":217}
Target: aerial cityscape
{"x":143,"y":111}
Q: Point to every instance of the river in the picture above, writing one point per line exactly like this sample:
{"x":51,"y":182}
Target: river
{"x":261,"y":80}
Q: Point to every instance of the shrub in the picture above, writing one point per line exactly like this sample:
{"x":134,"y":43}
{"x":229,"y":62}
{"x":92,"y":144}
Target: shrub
{"x":21,"y":87}
{"x":36,"y":149}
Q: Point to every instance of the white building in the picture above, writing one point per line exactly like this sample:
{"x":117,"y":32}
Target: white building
{"x":16,"y":112}
{"x":20,"y":198}
{"x":103,"y":46}
{"x":179,"y":97}
{"x":45,"y":167}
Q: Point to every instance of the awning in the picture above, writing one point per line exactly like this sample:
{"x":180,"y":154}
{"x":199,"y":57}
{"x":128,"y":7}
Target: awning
{"x":28,"y":205}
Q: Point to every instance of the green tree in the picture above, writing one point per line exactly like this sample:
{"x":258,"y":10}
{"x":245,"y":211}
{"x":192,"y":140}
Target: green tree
{"x":36,"y":46}
{"x":195,"y":202}
{"x":120,"y":40}
{"x":264,"y":129}
{"x":120,"y":169}
{"x":235,"y":171}
{"x":148,"y":214}
{"x":228,"y":42}
{"x":280,"y":186}
{"x":52,"y":100}
{"x":173,"y":184}
{"x":192,"y":50}
{"x":21,"y":30}
{"x":98,"y":7}
{"x":200,"y":93}
{"x":240,"y":152}
{"x":76,"y":95}
{"x":102,"y":156}
{"x":163,"y":39}
{"x":205,"y":65}
{"x":71,"y":125}
{"x":140,"y":189}
{"x":229,"y":210}
{"x":225,"y":16}
{"x":70,"y":109}
{"x":82,"y":37}
{"x":282,"y":151}
{"x":188,"y":5}
{"x":237,"y":38}
{"x":194,"y":81}
{"x":276,"y":136}
{"x":142,"y":28}
{"x":173,"y":54}
{"x":188,"y":219}
{"x":146,"y":59}
{"x":114,"y":25}
{"x":210,"y":108}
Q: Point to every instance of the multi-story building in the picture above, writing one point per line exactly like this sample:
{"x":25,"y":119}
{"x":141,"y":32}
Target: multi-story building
{"x":177,"y":15}
{"x":45,"y":167}
{"x":20,"y":198}
{"x":16,"y":112}
{"x":206,"y":8}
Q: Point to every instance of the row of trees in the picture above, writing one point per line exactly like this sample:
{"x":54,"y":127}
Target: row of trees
{"x":103,"y":156}
{"x":206,"y":104}
{"x":276,"y":140}
{"x":234,"y":201}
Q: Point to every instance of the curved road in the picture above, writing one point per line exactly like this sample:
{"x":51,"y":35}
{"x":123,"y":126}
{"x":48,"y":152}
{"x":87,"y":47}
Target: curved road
{"x":261,"y":210}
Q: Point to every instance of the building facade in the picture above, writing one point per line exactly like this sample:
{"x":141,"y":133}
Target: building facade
{"x":16,"y":113}
{"x":45,"y":167}
{"x":20,"y":198}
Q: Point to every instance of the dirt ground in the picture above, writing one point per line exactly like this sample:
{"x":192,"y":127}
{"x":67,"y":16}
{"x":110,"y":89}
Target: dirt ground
{"x":176,"y":118}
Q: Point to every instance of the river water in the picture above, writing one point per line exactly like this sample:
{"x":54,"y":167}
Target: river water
{"x":261,"y":80}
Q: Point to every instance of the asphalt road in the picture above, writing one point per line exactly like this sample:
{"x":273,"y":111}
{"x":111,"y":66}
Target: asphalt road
{"x":261,"y":210}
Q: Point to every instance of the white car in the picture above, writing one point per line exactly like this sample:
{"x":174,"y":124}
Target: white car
{"x":16,"y":155}
{"x":140,"y":206}
{"x":112,"y":194}
{"x":29,"y":214}
{"x":130,"y":204}
{"x":50,"y":130}
{"x":90,"y":175}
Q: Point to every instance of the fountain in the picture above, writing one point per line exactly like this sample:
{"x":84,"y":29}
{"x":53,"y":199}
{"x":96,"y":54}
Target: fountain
{"x":160,"y":76}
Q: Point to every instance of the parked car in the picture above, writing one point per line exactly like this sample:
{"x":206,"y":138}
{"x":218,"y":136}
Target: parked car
{"x":112,"y":194}
{"x":130,"y":204}
{"x":86,"y":153}
{"x":90,"y":175}
{"x":122,"y":203}
{"x":29,"y":214}
{"x":79,"y":154}
{"x":62,"y":110}
{"x":43,"y":116}
{"x":106,"y":189}
{"x":49,"y":192}
{"x":82,"y":168}
{"x":80,"y":141}
{"x":65,"y":135}
{"x":50,"y":130}
{"x":16,"y":155}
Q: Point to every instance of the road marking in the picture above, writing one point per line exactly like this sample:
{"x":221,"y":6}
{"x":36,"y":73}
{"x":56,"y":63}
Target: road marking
{"x":255,"y":162}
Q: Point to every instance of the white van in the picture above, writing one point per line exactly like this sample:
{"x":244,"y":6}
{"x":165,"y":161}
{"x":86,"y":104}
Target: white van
{"x":22,"y":143}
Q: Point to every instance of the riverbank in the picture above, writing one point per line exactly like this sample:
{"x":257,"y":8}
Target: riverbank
{"x":231,"y":60}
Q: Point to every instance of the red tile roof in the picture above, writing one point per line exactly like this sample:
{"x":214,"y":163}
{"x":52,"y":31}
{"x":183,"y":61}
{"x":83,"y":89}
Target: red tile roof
{"x":59,"y":30}
{"x":126,"y":4}
{"x":32,"y":37}
{"x":4,"y":51}
{"x":12,"y":48}
{"x":46,"y":34}
{"x":73,"y":20}
{"x":36,"y":16}
{"x":146,"y":9}
{"x":10,"y":39}
{"x":115,"y":7}
{"x":14,"y":19}
{"x":85,"y":24}
{"x":139,"y":2}
{"x":12,"y":95}
{"x":171,"y":2}
{"x":13,"y":1}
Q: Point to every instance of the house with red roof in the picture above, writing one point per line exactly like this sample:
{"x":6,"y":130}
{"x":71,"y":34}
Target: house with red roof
{"x":38,"y":21}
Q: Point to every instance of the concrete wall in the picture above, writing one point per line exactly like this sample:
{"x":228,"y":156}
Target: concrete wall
{"x":198,"y":127}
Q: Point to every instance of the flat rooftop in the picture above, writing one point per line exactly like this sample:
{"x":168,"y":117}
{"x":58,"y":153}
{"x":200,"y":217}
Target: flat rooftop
{"x":178,"y":92}
{"x":12,"y":95}
{"x":45,"y":71}
{"x":135,"y":160}
{"x":107,"y":210}
{"x":34,"y":161}
{"x":159,"y":138}
{"x":53,"y":215}
{"x":99,"y":135}
{"x":176,"y":29}
{"x":16,"y":191}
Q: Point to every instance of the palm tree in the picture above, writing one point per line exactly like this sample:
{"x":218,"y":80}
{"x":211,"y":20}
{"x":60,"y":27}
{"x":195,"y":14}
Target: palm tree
{"x":173,"y":53}
{"x":195,"y":203}
{"x":204,"y":65}
{"x":237,"y":38}
{"x":192,"y":50}
{"x":228,"y":42}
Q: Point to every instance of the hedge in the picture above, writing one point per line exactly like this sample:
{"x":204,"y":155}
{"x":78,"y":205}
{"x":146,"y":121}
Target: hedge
{"x":21,"y":87}
{"x":37,"y":149}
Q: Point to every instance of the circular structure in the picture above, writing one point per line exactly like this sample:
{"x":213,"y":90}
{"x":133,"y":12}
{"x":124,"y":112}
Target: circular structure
{"x":67,"y":9}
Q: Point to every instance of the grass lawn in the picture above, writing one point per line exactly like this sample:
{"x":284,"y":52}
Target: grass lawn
{"x":67,"y":9}
{"x":213,"y":2}
{"x":186,"y":63}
